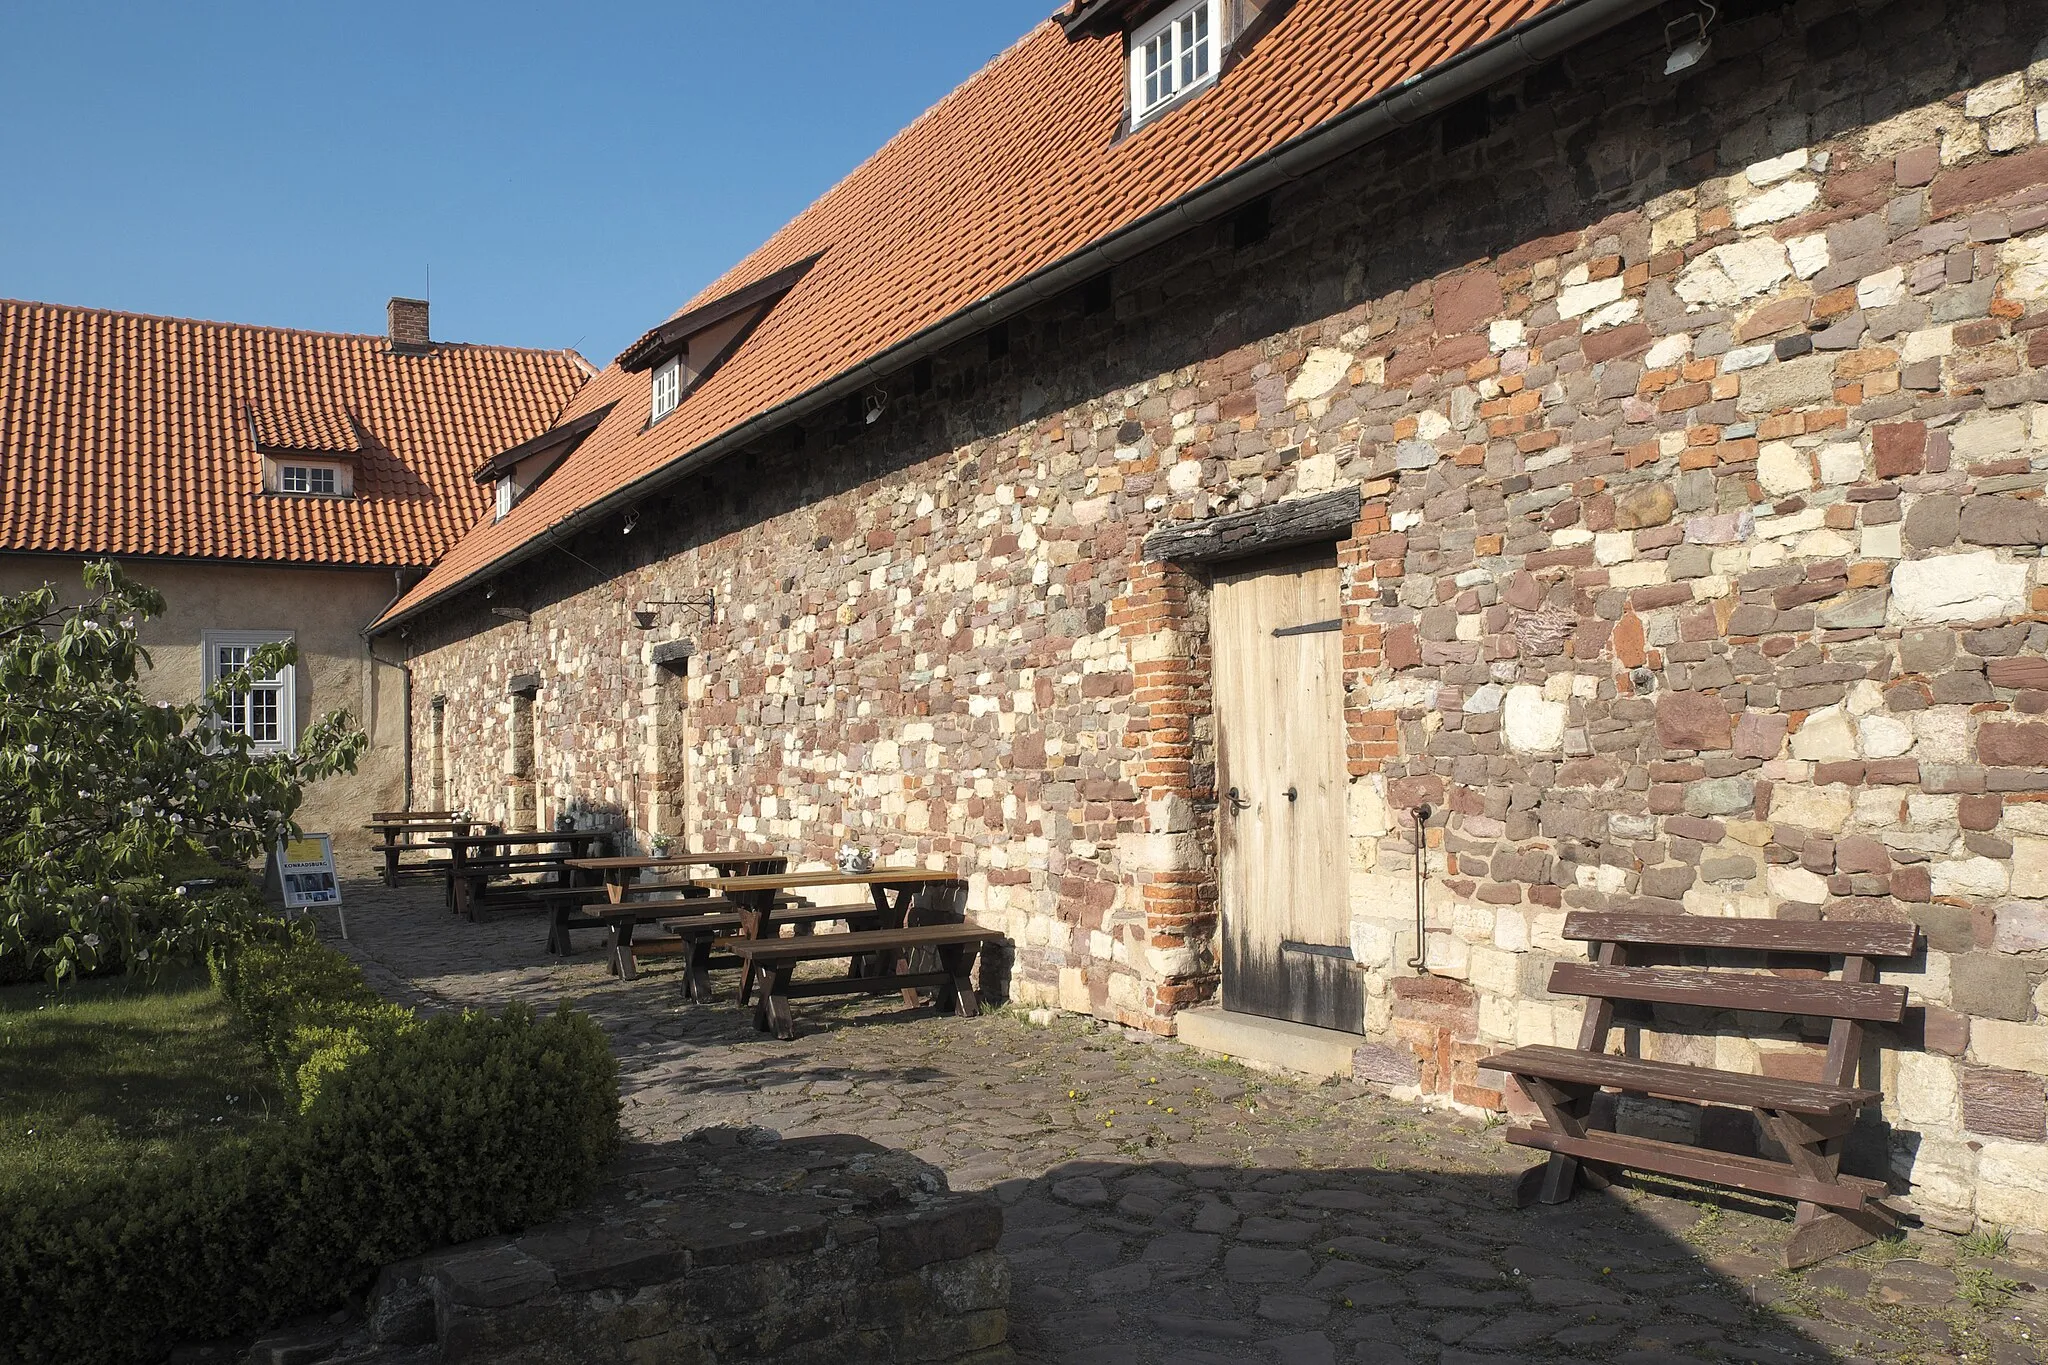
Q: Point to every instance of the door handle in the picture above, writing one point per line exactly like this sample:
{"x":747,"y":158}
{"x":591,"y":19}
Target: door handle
{"x":1237,"y":802}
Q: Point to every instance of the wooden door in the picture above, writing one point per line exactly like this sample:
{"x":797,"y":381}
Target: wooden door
{"x":1278,"y":653}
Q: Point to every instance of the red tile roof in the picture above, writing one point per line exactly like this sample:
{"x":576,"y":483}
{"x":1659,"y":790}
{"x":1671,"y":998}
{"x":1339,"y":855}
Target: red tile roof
{"x":123,"y":434}
{"x":1014,"y":171}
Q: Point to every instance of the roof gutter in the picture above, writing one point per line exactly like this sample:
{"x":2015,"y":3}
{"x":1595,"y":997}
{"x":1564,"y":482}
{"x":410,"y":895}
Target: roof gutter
{"x":1528,"y":44}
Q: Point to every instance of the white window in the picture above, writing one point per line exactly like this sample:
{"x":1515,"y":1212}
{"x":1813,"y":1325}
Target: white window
{"x":507,"y":495}
{"x":315,"y":479}
{"x":668,"y":389}
{"x":1173,"y":54}
{"x":265,"y":711}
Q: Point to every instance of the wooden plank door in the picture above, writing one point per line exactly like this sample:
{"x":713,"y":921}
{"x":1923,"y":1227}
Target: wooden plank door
{"x":1279,"y":688}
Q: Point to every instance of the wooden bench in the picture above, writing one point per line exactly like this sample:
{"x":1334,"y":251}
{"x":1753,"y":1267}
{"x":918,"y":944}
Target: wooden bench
{"x":483,"y":879}
{"x":776,"y":959}
{"x":577,"y":911}
{"x":1808,"y":1120}
{"x":701,"y":938}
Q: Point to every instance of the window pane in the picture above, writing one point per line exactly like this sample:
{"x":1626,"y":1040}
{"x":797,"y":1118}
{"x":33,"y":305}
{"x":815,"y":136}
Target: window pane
{"x":238,"y":713}
{"x":1198,"y":45}
{"x":263,"y":715}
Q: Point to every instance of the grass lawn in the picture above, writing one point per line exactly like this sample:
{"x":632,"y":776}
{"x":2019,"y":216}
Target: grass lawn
{"x":106,"y":1072}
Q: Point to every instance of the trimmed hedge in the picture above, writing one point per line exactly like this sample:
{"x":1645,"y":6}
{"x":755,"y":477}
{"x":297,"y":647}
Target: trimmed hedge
{"x":410,"y":1134}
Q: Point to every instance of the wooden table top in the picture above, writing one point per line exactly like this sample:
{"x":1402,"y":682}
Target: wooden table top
{"x":581,"y":836}
{"x":420,"y":826}
{"x":881,"y":876}
{"x":643,"y":864}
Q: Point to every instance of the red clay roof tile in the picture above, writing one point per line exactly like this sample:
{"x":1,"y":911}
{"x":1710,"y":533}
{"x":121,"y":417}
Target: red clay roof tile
{"x":124,"y":434}
{"x":1015,"y":170}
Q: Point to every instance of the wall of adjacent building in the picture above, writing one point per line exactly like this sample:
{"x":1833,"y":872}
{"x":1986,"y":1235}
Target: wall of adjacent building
{"x":1700,"y":432}
{"x":324,"y":610}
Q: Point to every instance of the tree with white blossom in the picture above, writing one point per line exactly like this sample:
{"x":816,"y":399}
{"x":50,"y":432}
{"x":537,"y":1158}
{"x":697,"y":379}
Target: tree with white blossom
{"x":108,"y":799}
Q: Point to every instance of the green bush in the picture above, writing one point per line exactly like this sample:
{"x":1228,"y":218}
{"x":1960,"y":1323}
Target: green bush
{"x":411,"y":1133}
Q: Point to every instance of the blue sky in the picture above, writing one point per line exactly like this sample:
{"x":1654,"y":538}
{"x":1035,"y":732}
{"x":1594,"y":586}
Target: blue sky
{"x":570,"y":173}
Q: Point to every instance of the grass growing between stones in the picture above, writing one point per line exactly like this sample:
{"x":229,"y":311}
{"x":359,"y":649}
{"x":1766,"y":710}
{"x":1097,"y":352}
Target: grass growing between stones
{"x":108,"y":1072}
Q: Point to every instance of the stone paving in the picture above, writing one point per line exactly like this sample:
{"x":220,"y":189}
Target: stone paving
{"x":1165,"y":1206}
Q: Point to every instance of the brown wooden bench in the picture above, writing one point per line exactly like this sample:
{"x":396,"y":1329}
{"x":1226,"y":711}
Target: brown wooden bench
{"x":1808,"y":1120}
{"x":703,"y":939}
{"x":620,"y":919}
{"x":776,"y":959}
{"x":485,"y":878}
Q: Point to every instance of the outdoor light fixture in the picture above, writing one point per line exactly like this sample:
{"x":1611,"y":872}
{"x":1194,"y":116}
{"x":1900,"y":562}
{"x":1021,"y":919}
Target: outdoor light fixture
{"x":632,"y":522}
{"x":1683,"y":54}
{"x":872,"y":403}
{"x":646,"y":614}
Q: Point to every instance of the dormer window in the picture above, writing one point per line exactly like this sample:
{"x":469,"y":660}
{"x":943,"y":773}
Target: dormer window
{"x":298,"y":477}
{"x":508,"y":493}
{"x":668,"y":389}
{"x":1172,"y":55}
{"x":304,"y":478}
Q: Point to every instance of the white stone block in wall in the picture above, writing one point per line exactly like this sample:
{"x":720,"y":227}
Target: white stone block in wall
{"x":1841,"y":462}
{"x":2012,"y":1184}
{"x":1943,"y":1178}
{"x":1677,"y":229}
{"x":1809,"y":254}
{"x":1882,"y":289}
{"x":1579,"y":299}
{"x":1728,"y":274}
{"x":1883,"y":736}
{"x":1533,"y":724}
{"x":1958,"y":587}
{"x":1996,"y":96}
{"x":1790,"y":882}
{"x":1536,"y":1025}
{"x":1776,"y":205}
{"x":1494,"y":971}
{"x":1927,"y":1089}
{"x":1511,"y":930}
{"x":1773,"y":169}
{"x":1971,"y":877}
{"x":1989,"y":436}
{"x":2030,"y":867}
{"x":1883,"y":542}
{"x":2025,"y":263}
{"x":1828,"y":736}
{"x":1927,"y":344}
{"x":1546,"y":931}
{"x":1448,"y":955}
{"x":1824,"y":810}
{"x":1497,"y":1017}
{"x":2003,"y":1043}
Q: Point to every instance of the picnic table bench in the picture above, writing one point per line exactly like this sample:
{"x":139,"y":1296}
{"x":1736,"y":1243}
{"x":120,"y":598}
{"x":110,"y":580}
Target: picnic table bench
{"x":776,"y":959}
{"x":892,"y":889}
{"x":471,"y":861}
{"x":1808,"y":1120}
{"x":571,"y":908}
{"x":703,"y":939}
{"x":400,"y":832}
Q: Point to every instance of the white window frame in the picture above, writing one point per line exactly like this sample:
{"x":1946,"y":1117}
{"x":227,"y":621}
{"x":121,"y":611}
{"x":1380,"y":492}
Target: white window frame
{"x":1186,"y":70}
{"x":282,"y":690}
{"x":310,"y":474}
{"x":506,"y":494}
{"x":666,"y":389}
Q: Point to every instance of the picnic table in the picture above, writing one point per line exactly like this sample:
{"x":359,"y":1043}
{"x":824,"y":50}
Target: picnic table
{"x":621,"y":874}
{"x":472,"y":861}
{"x":872,"y":954}
{"x":393,"y":827}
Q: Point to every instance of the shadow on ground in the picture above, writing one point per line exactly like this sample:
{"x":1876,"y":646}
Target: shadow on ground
{"x":1165,"y":1206}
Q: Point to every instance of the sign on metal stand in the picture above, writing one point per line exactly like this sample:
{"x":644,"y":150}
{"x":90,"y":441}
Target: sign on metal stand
{"x":305,"y":869}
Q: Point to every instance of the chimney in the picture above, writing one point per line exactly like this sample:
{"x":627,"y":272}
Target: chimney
{"x":408,"y":326}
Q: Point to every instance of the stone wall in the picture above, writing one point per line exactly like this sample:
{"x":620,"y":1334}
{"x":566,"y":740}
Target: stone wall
{"x":729,"y":1246}
{"x":1700,"y":432}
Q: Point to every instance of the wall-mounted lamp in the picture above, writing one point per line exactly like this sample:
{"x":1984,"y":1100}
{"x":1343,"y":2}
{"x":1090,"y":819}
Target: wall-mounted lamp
{"x":647,"y":613}
{"x":1683,"y":53}
{"x":873,"y":403}
{"x":632,"y":522}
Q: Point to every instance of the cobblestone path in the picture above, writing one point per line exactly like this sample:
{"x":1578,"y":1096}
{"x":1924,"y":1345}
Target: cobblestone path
{"x":1163,"y":1206}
